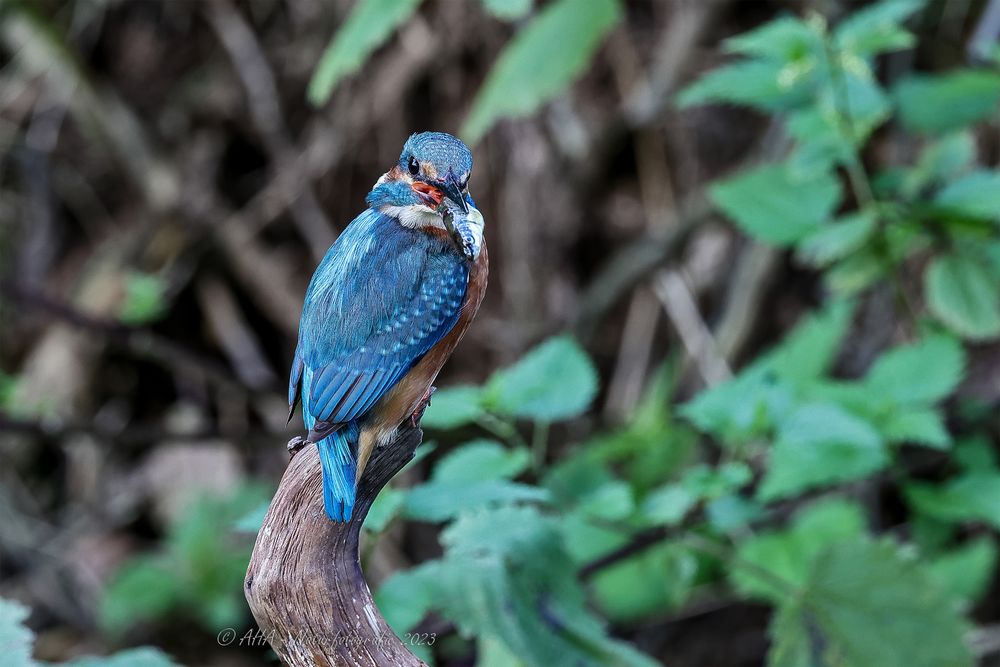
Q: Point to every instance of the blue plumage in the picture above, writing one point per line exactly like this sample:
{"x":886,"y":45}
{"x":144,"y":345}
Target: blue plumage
{"x":380,"y":299}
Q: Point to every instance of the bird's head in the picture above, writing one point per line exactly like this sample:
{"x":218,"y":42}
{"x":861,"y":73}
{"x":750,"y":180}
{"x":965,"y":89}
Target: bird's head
{"x":428,"y":189}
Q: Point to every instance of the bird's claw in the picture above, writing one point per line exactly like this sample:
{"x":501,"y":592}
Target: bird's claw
{"x":419,"y":412}
{"x":295,"y":444}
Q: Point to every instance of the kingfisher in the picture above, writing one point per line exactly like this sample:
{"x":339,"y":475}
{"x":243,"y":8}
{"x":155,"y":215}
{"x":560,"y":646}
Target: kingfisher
{"x":384,"y":310}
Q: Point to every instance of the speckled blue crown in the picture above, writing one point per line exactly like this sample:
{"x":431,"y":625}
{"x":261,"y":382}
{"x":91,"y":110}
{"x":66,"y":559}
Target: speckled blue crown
{"x":445,"y":152}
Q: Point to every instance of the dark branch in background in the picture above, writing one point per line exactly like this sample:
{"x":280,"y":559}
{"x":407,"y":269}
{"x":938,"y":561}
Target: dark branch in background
{"x":305,"y":586}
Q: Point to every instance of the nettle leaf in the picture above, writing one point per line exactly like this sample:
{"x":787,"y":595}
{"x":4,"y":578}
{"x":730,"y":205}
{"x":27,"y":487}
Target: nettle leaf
{"x":783,"y":39}
{"x":919,"y":426}
{"x":967,"y":571}
{"x":452,"y":407}
{"x":145,"y":299}
{"x":554,"y":381}
{"x":668,"y":505}
{"x":789,"y":555}
{"x":441,"y":501}
{"x":811,"y":348}
{"x":753,"y":83}
{"x":920,"y":373}
{"x":506,"y":573}
{"x":941,"y":160}
{"x":406,"y":596}
{"x":384,"y":509}
{"x":964,"y":295}
{"x":865,"y":603}
{"x":876,"y":29}
{"x":540,"y":62}
{"x":775,"y":206}
{"x":508,"y":10}
{"x":821,"y":444}
{"x":479,"y":461}
{"x":973,"y":497}
{"x":16,"y":640}
{"x":369,"y":25}
{"x":945,"y":102}
{"x":976,"y":194}
{"x":837,"y":240}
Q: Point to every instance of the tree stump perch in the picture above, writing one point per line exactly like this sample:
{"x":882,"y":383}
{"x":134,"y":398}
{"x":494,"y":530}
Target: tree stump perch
{"x":304,"y":584}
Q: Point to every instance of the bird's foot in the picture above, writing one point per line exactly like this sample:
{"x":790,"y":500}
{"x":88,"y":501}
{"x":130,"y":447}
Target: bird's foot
{"x":419,"y":412}
{"x":295,"y":444}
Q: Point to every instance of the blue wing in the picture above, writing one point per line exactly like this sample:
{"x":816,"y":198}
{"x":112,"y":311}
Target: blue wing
{"x":380,"y":299}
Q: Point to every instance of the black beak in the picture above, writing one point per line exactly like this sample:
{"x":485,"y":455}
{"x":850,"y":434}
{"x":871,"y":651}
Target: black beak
{"x":453,"y":191}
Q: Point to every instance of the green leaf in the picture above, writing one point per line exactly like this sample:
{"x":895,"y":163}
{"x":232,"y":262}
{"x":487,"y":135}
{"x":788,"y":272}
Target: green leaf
{"x":919,"y":426}
{"x":137,"y":657}
{"x":967,"y":571}
{"x":837,"y":240}
{"x":920,"y":373}
{"x":653,"y":581}
{"x":387,"y":505}
{"x":16,"y":639}
{"x":818,"y":445}
{"x":774,"y":206}
{"x":668,"y":505}
{"x":788,"y":556}
{"x":406,"y":596}
{"x":145,"y":299}
{"x":962,"y":294}
{"x":452,"y":407}
{"x":508,"y":10}
{"x":783,"y":39}
{"x":810,"y":349}
{"x":143,"y":590}
{"x":506,"y":573}
{"x":946,"y":102}
{"x":540,"y":61}
{"x":864,"y":603}
{"x":554,"y":381}
{"x":972,"y":497}
{"x":613,"y":501}
{"x":480,"y":461}
{"x":876,"y":29}
{"x":976,"y":194}
{"x":442,"y":501}
{"x":754,"y":83}
{"x":252,"y":520}
{"x":941,"y":160}
{"x":369,"y":24}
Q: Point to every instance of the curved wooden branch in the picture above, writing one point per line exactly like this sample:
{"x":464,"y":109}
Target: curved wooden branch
{"x":305,"y":585}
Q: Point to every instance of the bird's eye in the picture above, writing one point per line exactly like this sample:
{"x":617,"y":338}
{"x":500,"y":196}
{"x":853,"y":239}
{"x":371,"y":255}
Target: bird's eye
{"x":413,"y":166}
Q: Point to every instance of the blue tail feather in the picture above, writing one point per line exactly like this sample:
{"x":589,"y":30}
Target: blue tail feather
{"x":337,"y":454}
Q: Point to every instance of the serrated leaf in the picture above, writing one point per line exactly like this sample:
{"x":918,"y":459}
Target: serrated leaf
{"x":369,"y":24}
{"x":811,"y":348}
{"x":972,"y":497}
{"x":613,"y":501}
{"x":508,"y":10}
{"x":783,"y":39}
{"x":918,"y":426}
{"x":945,"y":102}
{"x":754,"y":83}
{"x":967,"y":571}
{"x":770,"y":204}
{"x":837,"y":240}
{"x":876,"y":29}
{"x":866,"y":604}
{"x":653,"y":581}
{"x":788,"y":556}
{"x":480,"y":461}
{"x":668,"y":505}
{"x":818,"y":445}
{"x":540,"y":62}
{"x":554,"y":381}
{"x":920,"y":373}
{"x":941,"y":160}
{"x":962,"y":294}
{"x":452,"y":407}
{"x":440,"y":501}
{"x":976,"y":194}
{"x":16,"y":640}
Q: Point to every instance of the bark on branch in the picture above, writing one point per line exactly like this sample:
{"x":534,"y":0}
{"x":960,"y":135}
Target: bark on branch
{"x":305,"y":585}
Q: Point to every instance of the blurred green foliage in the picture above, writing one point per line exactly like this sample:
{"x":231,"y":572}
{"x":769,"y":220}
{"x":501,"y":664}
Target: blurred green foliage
{"x":199,"y":570}
{"x":16,"y":642}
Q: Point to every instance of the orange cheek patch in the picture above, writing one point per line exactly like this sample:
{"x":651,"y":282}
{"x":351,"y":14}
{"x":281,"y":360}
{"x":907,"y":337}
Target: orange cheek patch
{"x":429,"y":192}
